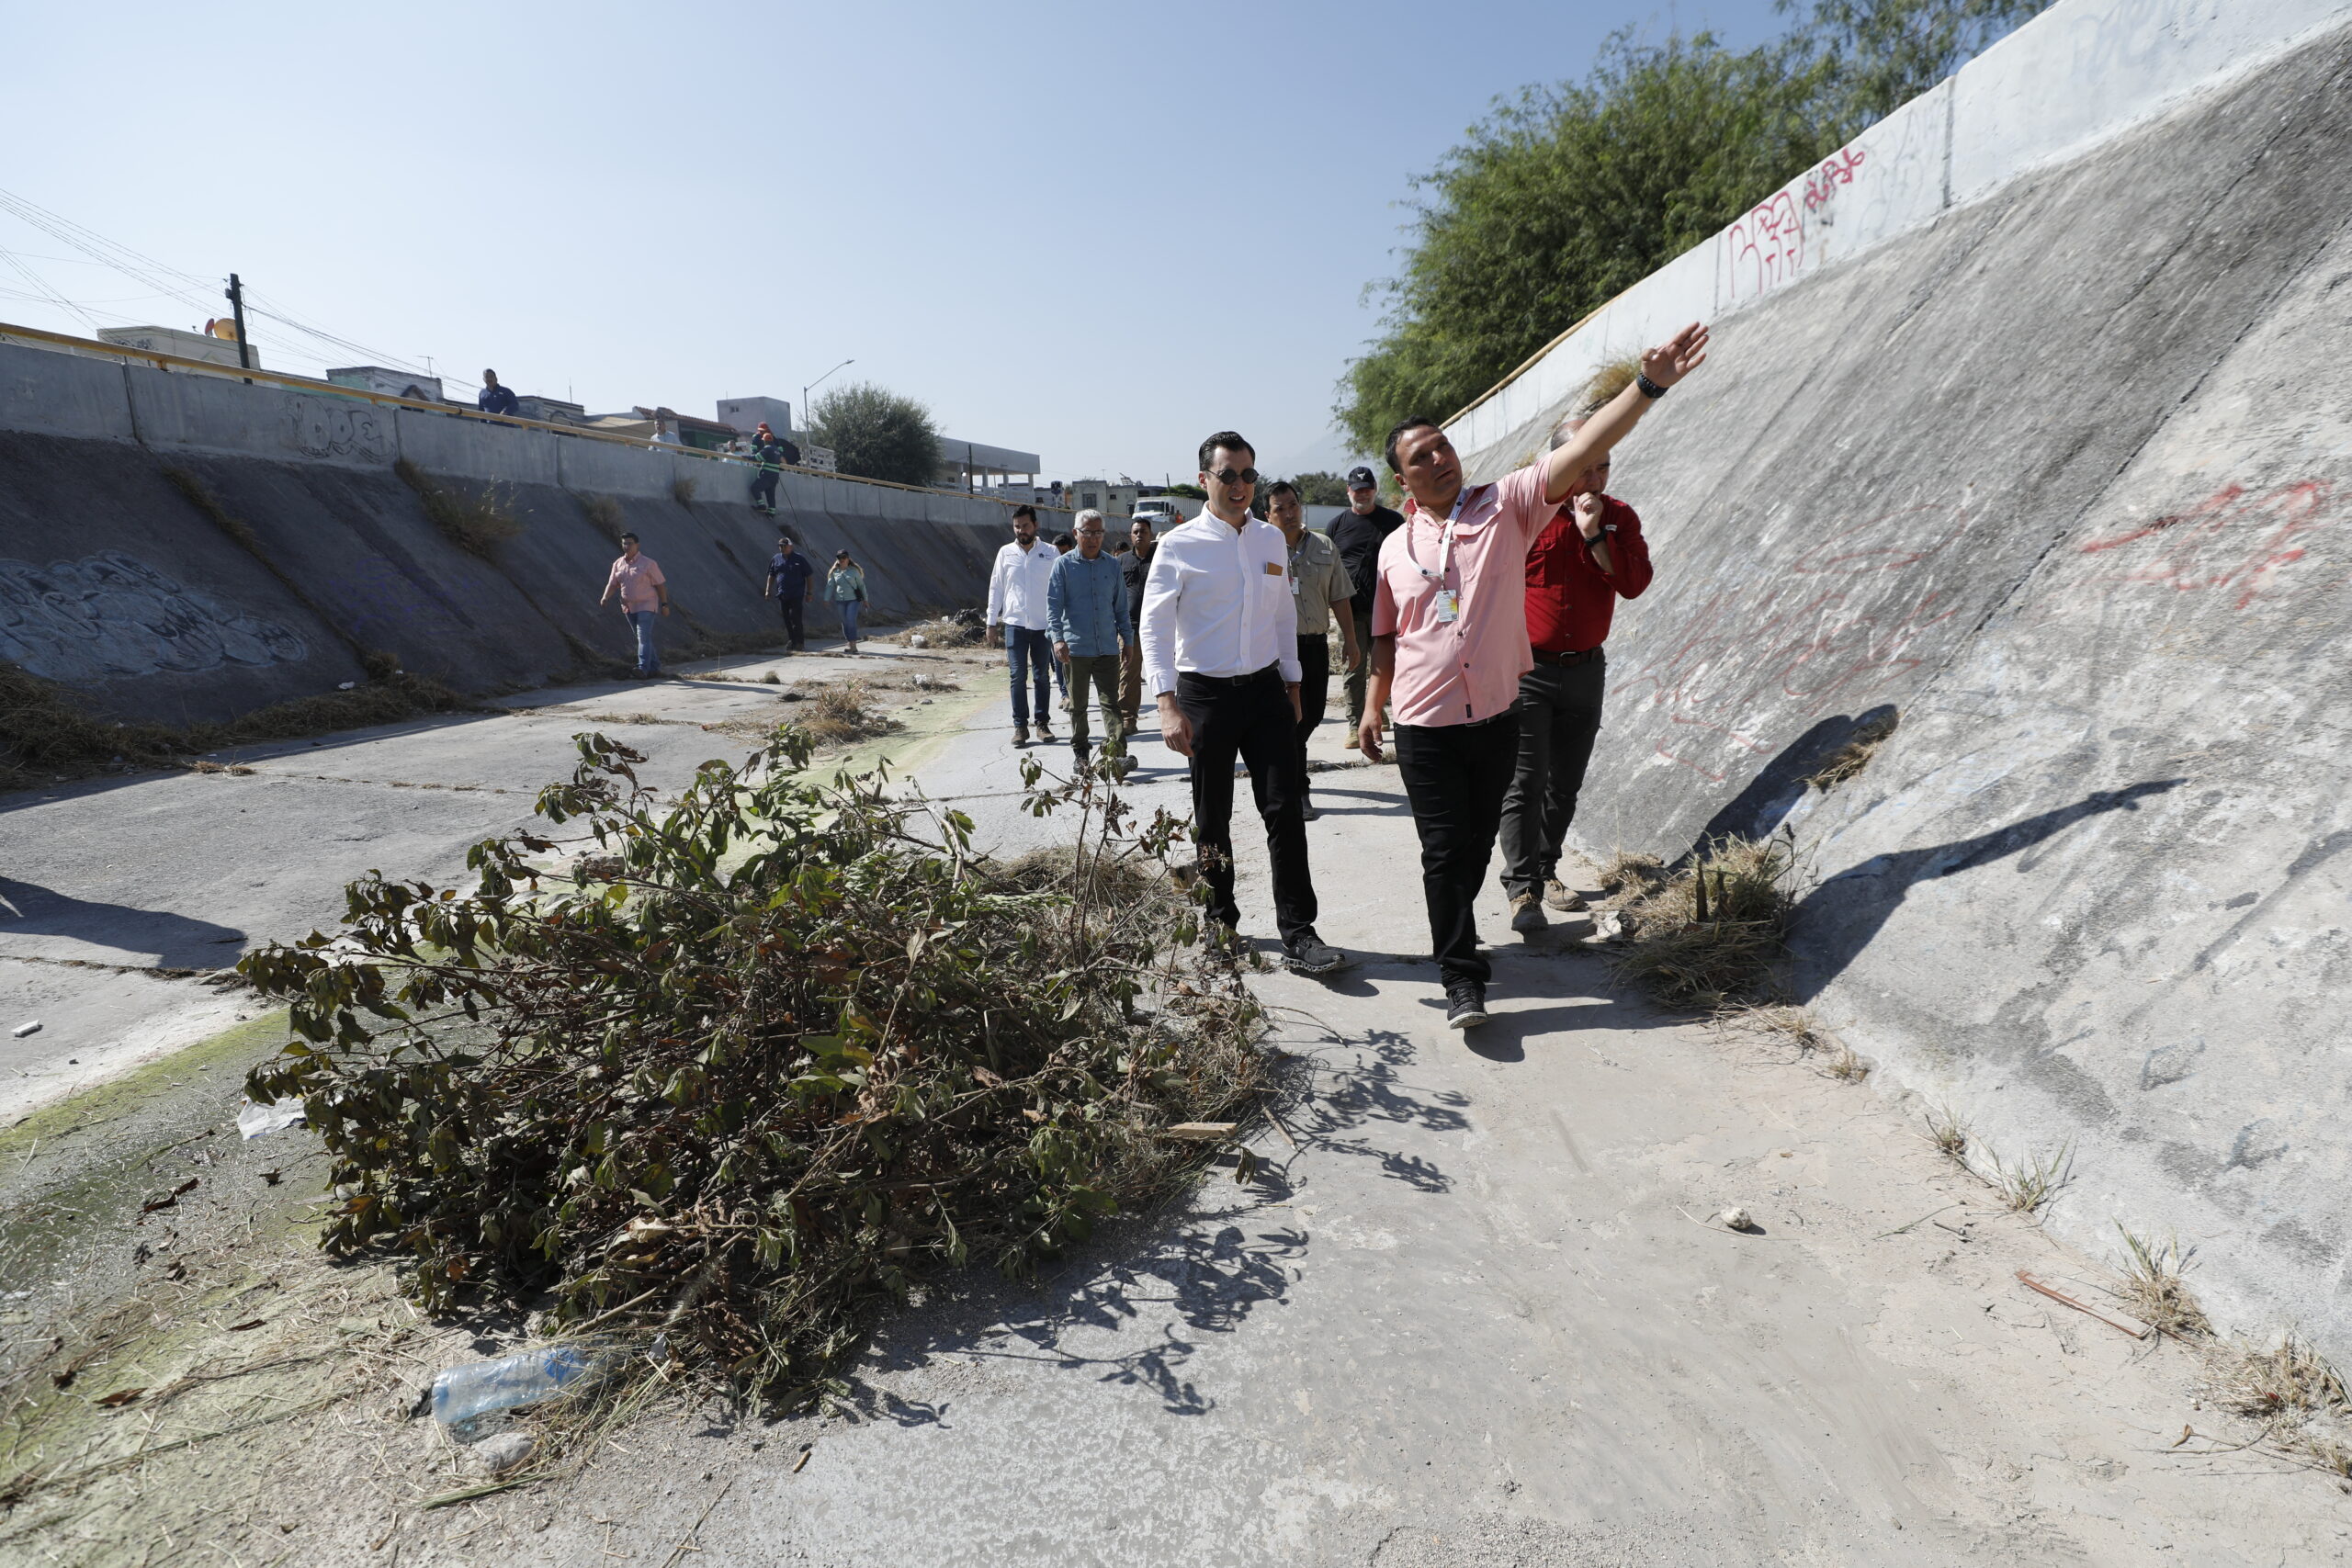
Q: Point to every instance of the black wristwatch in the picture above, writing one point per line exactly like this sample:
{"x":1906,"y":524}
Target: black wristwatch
{"x":1649,"y":388}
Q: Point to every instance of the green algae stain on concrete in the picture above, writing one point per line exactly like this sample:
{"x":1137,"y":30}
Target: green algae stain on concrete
{"x":116,"y":1099}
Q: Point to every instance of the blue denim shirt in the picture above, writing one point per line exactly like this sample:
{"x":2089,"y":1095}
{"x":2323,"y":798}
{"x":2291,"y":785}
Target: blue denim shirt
{"x":1086,"y":604}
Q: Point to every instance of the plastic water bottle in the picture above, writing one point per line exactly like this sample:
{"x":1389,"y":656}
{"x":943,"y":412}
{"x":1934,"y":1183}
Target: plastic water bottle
{"x":460,"y":1393}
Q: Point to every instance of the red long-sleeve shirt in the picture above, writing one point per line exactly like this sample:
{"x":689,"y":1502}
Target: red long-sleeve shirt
{"x":1569,"y":598}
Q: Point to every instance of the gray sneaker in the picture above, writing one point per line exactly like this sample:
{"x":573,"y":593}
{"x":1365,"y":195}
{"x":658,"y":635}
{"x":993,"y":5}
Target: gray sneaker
{"x":1308,"y":954}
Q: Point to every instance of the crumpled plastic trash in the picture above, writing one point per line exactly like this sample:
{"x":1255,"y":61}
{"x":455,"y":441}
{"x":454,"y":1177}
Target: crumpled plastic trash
{"x":255,"y":1120}
{"x":460,"y":1394}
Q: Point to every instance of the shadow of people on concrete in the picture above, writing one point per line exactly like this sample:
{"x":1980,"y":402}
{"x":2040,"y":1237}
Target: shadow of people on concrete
{"x":1773,"y":793}
{"x":174,"y":942}
{"x":1838,"y":919}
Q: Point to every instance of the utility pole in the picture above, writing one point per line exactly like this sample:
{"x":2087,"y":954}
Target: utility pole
{"x":237,"y":309}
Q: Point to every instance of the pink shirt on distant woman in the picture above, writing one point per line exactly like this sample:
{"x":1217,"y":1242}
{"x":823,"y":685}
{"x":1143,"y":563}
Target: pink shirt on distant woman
{"x":1467,"y":670}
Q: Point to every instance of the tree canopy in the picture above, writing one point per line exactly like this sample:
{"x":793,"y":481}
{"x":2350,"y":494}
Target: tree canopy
{"x":877,"y":434}
{"x":1567,"y":195}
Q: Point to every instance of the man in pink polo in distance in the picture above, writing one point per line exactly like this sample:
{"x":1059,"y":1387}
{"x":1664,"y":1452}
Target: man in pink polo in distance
{"x":1449,"y":644}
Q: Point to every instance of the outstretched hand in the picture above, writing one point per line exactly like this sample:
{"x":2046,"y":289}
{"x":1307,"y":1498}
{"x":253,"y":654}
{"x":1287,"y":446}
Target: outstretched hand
{"x":1678,"y":356}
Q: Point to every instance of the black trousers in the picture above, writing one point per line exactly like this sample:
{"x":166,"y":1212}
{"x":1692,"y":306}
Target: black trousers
{"x":796,"y":632}
{"x":1253,"y":722}
{"x":764,"y":490}
{"x":1559,"y":714}
{"x":1454,"y":776}
{"x":1313,"y":691}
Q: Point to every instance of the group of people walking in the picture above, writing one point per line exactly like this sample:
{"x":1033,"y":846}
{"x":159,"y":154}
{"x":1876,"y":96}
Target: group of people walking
{"x":644,"y":592}
{"x":1477,"y":614}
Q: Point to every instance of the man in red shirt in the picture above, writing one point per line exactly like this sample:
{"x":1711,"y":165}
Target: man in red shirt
{"x":1586,"y":558}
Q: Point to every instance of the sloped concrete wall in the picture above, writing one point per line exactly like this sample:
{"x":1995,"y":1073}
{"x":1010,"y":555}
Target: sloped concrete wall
{"x":114,"y":581}
{"x":2065,"y":480}
{"x":2080,"y":74}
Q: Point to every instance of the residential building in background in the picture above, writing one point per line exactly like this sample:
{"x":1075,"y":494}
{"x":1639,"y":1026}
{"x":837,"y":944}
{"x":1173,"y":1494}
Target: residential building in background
{"x":747,"y":414}
{"x":377,"y":379}
{"x":212,"y":348}
{"x":976,"y":465}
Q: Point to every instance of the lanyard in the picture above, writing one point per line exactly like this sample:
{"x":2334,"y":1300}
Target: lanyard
{"x":1445,"y":550}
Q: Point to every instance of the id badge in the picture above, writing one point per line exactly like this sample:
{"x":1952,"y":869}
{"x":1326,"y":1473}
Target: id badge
{"x":1294,"y":585}
{"x":1449,"y":607}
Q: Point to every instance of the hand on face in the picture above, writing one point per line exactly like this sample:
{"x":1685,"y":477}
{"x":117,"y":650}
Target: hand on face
{"x":1588,"y":513}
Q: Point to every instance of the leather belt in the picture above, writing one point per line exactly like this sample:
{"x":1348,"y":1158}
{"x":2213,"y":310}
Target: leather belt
{"x":1588,"y":655}
{"x":1251,"y":679}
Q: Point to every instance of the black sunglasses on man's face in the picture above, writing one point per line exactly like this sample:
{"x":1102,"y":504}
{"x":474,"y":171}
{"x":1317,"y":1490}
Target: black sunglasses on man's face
{"x":1232,"y":477}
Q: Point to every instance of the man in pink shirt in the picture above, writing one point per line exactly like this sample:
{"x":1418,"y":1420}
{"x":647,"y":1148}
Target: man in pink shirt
{"x":644,"y":592}
{"x":1449,"y":630}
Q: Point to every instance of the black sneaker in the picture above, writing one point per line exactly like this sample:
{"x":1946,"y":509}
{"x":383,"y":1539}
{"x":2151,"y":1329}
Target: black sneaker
{"x":1311,"y":954}
{"x":1465,"y":1004}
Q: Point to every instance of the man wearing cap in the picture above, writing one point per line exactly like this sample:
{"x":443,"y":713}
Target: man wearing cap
{"x":1587,"y":557}
{"x":1449,"y":630}
{"x":1319,"y":588}
{"x":1220,"y":654}
{"x":1358,"y":534}
{"x":1017,"y":619}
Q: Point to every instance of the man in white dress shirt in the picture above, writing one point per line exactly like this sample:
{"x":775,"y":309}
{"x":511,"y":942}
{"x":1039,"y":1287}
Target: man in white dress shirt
{"x":1220,"y":653}
{"x":1018,"y":618}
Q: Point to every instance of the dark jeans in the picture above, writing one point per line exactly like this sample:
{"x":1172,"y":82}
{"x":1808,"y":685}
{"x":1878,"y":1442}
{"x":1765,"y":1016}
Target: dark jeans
{"x":1252,"y":721}
{"x":1454,"y":776}
{"x":1314,"y":690}
{"x":764,"y":490}
{"x":1559,"y":714}
{"x":796,"y":630}
{"x":1030,"y":652}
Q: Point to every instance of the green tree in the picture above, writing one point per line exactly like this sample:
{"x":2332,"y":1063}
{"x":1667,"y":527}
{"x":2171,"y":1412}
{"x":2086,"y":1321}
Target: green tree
{"x":877,"y":434}
{"x":1321,"y":489}
{"x":1570,"y":194}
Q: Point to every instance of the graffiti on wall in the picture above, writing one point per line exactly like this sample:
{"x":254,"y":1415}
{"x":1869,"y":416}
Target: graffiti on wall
{"x":2234,"y":539}
{"x":1827,"y":631}
{"x":1765,"y":246}
{"x":110,"y":615}
{"x":321,"y":427}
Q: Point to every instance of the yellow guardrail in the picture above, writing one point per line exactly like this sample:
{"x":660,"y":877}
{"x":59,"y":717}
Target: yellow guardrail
{"x":176,"y":362}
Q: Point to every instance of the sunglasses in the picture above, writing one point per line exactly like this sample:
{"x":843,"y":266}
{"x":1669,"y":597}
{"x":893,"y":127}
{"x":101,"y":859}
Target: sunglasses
{"x":1234,"y":476}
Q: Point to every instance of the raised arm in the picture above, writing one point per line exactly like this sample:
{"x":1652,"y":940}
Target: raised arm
{"x":1663,"y":366}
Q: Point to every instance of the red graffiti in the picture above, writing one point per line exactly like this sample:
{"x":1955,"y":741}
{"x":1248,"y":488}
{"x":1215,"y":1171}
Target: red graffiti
{"x":1836,"y":170}
{"x":1764,"y":248}
{"x":1816,"y":648}
{"x":2232,"y":538}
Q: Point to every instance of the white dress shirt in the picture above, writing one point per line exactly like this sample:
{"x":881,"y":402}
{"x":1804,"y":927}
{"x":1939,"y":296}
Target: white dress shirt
{"x":1017,"y":585}
{"x":1217,"y":602}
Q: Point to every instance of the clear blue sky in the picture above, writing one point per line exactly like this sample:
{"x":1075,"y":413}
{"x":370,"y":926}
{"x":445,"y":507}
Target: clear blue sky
{"x":1092,"y":230}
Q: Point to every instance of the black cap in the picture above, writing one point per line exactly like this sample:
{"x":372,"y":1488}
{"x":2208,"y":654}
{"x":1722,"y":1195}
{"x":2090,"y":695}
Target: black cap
{"x":1360,"y":478}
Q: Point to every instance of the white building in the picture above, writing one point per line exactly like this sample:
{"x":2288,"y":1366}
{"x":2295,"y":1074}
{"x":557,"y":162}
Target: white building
{"x":211,"y":349}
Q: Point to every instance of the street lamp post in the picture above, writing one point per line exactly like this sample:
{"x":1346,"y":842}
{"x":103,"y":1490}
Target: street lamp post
{"x":807,"y":419}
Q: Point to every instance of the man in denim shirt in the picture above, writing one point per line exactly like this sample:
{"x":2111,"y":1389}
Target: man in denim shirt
{"x":1086,"y":610}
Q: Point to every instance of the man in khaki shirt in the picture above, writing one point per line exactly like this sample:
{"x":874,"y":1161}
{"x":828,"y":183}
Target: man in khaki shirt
{"x":1320,"y":587}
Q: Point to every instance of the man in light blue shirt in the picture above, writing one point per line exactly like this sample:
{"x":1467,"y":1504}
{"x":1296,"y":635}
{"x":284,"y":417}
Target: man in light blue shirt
{"x":1086,"y":611}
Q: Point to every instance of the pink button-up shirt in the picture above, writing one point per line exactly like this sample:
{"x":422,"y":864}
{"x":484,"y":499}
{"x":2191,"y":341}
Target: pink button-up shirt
{"x":1467,"y":669}
{"x":638,"y":581}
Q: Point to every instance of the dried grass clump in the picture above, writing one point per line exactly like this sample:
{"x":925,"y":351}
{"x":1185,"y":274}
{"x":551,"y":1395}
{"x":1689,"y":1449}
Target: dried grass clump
{"x":837,"y":715}
{"x":605,"y":512}
{"x":1608,"y":381}
{"x":2153,"y":1287}
{"x":2027,"y":1187}
{"x":789,"y":1054}
{"x":1712,"y":934}
{"x":1948,"y":1133}
{"x":1629,"y":876}
{"x":943,"y":632}
{"x":682,"y":489}
{"x":44,"y":734}
{"x":1854,"y":756}
{"x":476,"y":524}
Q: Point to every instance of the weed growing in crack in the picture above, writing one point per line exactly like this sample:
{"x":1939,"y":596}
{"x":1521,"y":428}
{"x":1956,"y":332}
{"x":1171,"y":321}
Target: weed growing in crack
{"x":2153,"y":1287}
{"x":1948,"y":1133}
{"x":2027,"y":1187}
{"x":476,"y":524}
